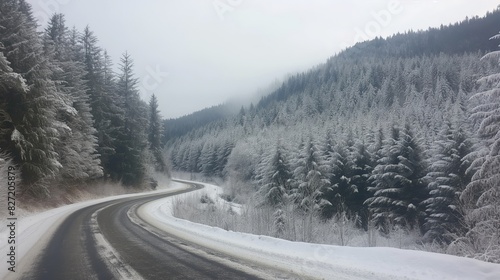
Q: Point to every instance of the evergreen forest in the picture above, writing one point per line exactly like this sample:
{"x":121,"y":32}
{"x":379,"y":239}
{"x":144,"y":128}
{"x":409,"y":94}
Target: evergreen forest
{"x":67,"y":119}
{"x":401,"y":132}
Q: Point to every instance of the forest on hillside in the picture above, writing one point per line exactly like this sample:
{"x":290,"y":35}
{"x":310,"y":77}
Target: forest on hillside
{"x":66,"y":119}
{"x":402,"y":132}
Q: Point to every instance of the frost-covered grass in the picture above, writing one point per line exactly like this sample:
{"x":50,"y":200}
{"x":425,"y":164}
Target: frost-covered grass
{"x":208,"y":208}
{"x":73,"y":194}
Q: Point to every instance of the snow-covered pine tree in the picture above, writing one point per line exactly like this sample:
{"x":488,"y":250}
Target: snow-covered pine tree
{"x":309,"y":182}
{"x":208,"y":159}
{"x":384,"y":186}
{"x":483,"y":192}
{"x":447,"y":176}
{"x":174,"y":155}
{"x":375,"y":145}
{"x":184,"y":157}
{"x":309,"y":178}
{"x":106,"y":105}
{"x":399,"y":188}
{"x":10,"y":83}
{"x":77,"y":146}
{"x":414,"y":191}
{"x":131,"y":144}
{"x":223,"y":155}
{"x":31,"y":132}
{"x":341,"y":190}
{"x":329,"y":156}
{"x":275,"y":184}
{"x":194,"y":158}
{"x":360,"y":183}
{"x":154,"y":135}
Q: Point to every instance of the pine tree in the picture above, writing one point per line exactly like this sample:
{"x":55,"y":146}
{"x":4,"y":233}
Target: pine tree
{"x":194,"y":158}
{"x":154,"y":135}
{"x":106,"y":105}
{"x":154,"y":131}
{"x":30,"y":133}
{"x":414,"y":192}
{"x":384,"y":183}
{"x":399,"y":186}
{"x":360,"y":183}
{"x":208,"y":159}
{"x":483,"y":192}
{"x":309,"y":182}
{"x":309,"y":179}
{"x":131,"y":143}
{"x":77,"y":146}
{"x":10,"y":82}
{"x":223,"y":155}
{"x":329,"y":157}
{"x":447,"y":178}
{"x":341,"y":191}
{"x":275,"y":187}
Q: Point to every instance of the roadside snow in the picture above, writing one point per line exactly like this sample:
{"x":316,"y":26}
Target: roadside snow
{"x":316,"y":260}
{"x":33,"y":230}
{"x":212,"y":192}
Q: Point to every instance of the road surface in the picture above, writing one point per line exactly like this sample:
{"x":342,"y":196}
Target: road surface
{"x":74,"y":250}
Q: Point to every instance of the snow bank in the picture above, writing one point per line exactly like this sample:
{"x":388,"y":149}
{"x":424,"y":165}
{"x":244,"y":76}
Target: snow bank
{"x":316,"y":260}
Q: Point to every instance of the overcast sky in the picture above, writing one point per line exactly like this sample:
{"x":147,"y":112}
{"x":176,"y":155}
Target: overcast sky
{"x":197,"y":53}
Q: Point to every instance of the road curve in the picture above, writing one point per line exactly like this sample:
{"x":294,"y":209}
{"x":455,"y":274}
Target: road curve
{"x":72,"y":251}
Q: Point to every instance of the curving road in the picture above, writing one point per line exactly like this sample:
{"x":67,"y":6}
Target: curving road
{"x":75,"y":250}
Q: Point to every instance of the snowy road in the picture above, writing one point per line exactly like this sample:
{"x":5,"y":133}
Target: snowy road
{"x":101,"y":242}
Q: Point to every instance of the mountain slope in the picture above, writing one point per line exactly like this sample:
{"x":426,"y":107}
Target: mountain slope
{"x":467,"y":36}
{"x":365,"y":137}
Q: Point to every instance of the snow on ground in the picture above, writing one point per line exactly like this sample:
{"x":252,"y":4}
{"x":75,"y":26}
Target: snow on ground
{"x":316,"y":260}
{"x":31,"y":230}
{"x":213,"y":192}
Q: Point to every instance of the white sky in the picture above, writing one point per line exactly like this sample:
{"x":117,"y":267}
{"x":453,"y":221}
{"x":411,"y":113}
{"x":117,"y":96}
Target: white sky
{"x":213,"y":50}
